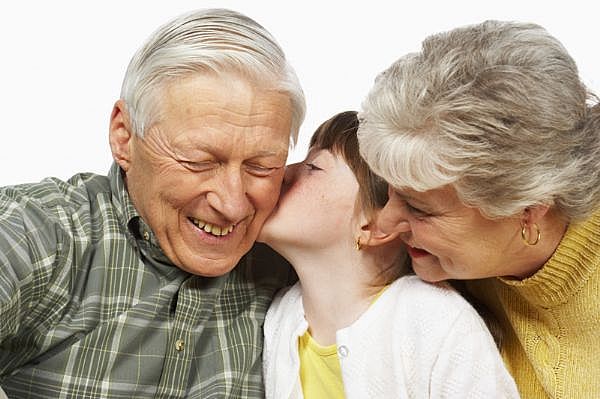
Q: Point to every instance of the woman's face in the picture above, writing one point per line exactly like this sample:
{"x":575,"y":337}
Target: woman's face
{"x":316,"y":205}
{"x":448,"y":240}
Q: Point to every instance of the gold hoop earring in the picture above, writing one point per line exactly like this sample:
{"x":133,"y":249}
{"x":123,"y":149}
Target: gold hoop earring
{"x":357,"y":245}
{"x":525,"y":238}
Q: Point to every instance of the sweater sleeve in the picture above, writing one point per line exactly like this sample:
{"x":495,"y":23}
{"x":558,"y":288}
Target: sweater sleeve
{"x":283,"y":324}
{"x":469,"y":364}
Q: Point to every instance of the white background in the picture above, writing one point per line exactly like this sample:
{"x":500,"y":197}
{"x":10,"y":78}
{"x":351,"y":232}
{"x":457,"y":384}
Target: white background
{"x":62,"y":62}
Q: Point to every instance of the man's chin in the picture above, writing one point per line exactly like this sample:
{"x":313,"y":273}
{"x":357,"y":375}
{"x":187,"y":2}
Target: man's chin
{"x":208,"y":265}
{"x":209,"y":260}
{"x":211,"y":267}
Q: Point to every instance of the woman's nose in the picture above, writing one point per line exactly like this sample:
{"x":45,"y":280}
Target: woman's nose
{"x":393,"y":218}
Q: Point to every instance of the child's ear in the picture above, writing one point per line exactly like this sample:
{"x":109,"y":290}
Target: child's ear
{"x":372,"y":235}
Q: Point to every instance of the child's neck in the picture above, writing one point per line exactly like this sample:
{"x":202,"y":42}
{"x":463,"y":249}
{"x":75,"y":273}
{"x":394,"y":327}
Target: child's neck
{"x":336,"y":291}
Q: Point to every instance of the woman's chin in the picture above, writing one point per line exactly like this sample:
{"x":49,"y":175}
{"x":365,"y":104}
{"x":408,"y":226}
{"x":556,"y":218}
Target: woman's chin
{"x":430,"y":274}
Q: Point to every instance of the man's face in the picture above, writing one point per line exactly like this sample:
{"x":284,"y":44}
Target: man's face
{"x":208,"y":173}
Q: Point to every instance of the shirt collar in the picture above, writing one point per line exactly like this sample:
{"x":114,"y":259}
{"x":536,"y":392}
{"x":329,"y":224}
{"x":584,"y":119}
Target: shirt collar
{"x":123,"y":204}
{"x":129,"y":216}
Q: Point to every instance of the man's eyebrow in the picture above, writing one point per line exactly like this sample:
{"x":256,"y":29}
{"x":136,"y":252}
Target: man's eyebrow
{"x":267,"y":153}
{"x":212,"y":148}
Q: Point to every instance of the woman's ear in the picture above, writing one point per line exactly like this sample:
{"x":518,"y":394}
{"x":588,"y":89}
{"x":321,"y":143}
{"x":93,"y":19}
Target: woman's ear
{"x":120,"y":135}
{"x":534,"y":214}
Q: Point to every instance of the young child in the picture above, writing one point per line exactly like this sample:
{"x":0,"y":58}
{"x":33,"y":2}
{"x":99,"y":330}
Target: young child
{"x":356,"y":325}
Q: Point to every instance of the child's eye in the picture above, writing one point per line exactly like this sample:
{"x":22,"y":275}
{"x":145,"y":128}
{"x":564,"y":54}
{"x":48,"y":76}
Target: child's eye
{"x":311,"y":166}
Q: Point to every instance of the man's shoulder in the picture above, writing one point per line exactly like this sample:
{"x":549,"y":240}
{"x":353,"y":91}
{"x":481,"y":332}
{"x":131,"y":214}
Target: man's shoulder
{"x":52,"y":192}
{"x":39,"y":219}
{"x":250,"y":287}
{"x":266,"y":267}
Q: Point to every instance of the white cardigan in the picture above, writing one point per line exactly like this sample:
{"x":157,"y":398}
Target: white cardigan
{"x":418,"y":340}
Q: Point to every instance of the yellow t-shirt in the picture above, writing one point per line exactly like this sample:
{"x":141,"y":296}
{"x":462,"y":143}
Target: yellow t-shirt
{"x":320,"y":371}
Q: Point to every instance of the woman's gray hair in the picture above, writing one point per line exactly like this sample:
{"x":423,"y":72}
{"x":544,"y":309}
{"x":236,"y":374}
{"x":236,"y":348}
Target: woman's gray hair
{"x":207,"y":41}
{"x":497,"y":110}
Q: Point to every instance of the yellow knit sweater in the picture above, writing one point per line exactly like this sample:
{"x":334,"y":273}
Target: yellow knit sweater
{"x":551,"y":321}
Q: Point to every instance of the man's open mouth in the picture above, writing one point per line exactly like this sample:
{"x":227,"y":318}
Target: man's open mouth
{"x":211,"y":228}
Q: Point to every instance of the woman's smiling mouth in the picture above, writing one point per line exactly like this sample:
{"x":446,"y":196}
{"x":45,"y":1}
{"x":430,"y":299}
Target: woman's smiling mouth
{"x":416,"y":252}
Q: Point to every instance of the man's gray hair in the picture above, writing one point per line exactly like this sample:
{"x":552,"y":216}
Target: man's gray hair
{"x":498,"y":111}
{"x":207,"y":41}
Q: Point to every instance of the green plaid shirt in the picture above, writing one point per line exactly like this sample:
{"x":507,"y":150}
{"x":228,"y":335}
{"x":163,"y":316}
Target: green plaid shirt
{"x":90,"y":307}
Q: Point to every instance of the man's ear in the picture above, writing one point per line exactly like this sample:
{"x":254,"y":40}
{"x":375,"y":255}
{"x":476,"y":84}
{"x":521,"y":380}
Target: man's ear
{"x":371,"y":235}
{"x":120,"y":135}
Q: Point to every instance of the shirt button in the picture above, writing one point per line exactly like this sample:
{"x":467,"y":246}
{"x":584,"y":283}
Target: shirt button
{"x":343,"y":351}
{"x":179,"y":345}
{"x":146,"y":236}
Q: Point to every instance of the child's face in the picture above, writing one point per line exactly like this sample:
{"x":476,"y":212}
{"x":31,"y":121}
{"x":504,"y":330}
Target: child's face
{"x":316,"y":206}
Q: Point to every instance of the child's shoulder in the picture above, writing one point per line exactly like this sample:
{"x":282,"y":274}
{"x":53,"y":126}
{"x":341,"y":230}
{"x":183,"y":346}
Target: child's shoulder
{"x":412,"y":286}
{"x":416,"y":300}
{"x":288,"y":300}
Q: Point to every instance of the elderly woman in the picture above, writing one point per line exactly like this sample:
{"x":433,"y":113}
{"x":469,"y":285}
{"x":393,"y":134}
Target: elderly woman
{"x":491,"y":145}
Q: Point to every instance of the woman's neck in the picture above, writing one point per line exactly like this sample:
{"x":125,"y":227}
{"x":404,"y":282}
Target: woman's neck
{"x":552,"y":228}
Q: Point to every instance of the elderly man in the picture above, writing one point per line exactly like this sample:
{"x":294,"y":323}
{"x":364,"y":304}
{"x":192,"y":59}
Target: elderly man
{"x":126,"y":285}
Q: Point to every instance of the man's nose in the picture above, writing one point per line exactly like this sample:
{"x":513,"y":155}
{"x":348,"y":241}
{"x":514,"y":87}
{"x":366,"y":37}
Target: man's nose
{"x":229,"y":195}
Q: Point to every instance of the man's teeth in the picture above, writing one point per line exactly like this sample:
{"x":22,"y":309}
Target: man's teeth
{"x":212,"y":229}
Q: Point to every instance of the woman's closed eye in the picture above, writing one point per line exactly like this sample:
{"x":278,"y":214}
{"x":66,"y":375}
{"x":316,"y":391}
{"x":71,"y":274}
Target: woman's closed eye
{"x":415,"y":211}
